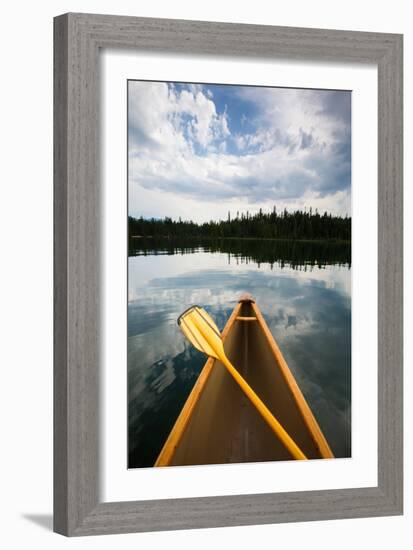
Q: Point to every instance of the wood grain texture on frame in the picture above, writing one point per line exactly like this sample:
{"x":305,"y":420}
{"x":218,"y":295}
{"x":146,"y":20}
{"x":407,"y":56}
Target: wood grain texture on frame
{"x":78,"y":39}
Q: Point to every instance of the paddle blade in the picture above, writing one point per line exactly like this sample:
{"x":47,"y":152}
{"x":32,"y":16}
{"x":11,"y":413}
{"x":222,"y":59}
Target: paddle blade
{"x":201,"y":331}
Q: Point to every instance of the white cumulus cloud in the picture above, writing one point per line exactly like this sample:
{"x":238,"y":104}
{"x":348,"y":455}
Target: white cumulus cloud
{"x":192,"y":156}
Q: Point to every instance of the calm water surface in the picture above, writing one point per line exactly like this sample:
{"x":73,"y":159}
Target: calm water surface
{"x":303,"y":291}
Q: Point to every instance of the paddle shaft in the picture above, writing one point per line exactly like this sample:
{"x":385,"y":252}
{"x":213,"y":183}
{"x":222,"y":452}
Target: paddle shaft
{"x":264,"y":411}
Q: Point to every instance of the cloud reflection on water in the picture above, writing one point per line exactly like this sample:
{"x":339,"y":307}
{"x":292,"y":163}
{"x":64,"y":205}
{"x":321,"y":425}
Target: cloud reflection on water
{"x":308,"y":312}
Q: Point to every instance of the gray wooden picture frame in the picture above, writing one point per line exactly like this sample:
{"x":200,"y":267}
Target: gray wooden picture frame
{"x":78,"y":39}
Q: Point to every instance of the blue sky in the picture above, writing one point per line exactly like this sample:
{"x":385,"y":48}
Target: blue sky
{"x":199,"y":151}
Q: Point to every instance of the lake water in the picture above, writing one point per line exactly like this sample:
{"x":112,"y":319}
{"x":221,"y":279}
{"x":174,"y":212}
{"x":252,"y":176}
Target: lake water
{"x":303,"y":291}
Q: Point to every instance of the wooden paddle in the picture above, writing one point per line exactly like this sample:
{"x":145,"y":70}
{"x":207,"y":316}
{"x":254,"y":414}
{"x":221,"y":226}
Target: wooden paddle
{"x":203,"y":333}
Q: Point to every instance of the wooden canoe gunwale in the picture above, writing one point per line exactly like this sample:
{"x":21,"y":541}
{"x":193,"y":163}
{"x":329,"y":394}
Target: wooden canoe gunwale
{"x":167,"y":453}
{"x":308,"y":417}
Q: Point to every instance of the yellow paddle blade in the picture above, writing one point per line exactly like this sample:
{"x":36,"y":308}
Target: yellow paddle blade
{"x":201,"y":331}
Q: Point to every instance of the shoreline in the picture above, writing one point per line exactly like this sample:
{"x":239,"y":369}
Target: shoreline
{"x":206,"y":238}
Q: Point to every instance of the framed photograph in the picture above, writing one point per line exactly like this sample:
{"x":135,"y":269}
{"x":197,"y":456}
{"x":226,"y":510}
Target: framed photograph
{"x":228,"y":274}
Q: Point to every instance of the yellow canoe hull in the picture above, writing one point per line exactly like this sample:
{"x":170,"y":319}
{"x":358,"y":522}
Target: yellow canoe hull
{"x":219,"y":425}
